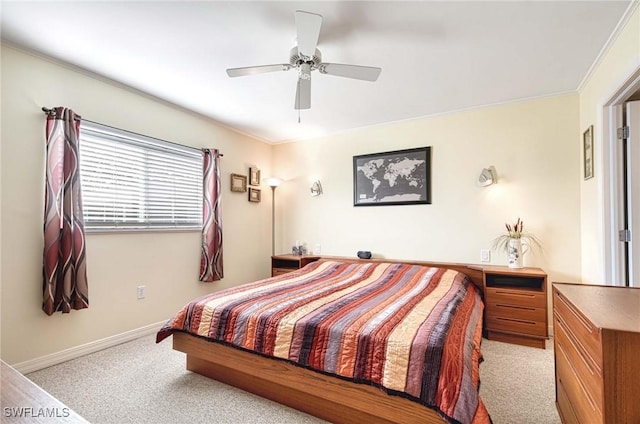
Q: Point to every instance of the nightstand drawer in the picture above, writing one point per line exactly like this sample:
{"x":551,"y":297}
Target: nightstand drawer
{"x":515,"y":325}
{"x":582,"y":329}
{"x":280,"y":271}
{"x":516,"y":297}
{"x":526,"y":313}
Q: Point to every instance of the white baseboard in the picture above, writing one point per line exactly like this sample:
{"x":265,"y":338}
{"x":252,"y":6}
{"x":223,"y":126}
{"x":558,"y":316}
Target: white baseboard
{"x":85,"y":349}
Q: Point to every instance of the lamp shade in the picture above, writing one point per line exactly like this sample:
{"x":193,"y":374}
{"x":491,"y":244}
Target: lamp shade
{"x":273,"y":181}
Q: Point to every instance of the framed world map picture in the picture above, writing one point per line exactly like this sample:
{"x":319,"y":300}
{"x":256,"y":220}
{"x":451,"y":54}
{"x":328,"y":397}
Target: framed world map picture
{"x":401,"y":177}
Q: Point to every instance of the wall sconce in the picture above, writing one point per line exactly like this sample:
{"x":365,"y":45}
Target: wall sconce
{"x":316,"y":188}
{"x":487,"y":177}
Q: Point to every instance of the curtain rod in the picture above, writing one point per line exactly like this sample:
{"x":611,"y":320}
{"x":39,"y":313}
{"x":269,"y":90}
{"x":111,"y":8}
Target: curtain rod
{"x":52,"y":112}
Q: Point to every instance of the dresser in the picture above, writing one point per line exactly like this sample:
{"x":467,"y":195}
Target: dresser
{"x":516,"y":305}
{"x":597,"y":353}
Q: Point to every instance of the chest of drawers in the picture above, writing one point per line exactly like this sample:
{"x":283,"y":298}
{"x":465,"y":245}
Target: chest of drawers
{"x":597,"y":342}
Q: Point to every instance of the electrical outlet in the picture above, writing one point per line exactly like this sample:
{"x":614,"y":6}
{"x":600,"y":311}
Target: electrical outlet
{"x":141,"y":292}
{"x":317,"y":250}
{"x":485,"y":255}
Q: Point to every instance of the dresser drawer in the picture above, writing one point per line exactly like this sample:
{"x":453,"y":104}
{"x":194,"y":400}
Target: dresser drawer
{"x":581,"y":328}
{"x":587,"y":371}
{"x":516,"y":297}
{"x":567,"y":414}
{"x":515,"y":325}
{"x":584,"y":407}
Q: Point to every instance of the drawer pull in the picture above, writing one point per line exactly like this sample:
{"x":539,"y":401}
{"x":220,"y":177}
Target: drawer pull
{"x":584,"y":390}
{"x":526,"y":308}
{"x":583,"y":353}
{"x":576,"y":344}
{"x":515,"y":294}
{"x":521,"y":321}
{"x":575,"y":314}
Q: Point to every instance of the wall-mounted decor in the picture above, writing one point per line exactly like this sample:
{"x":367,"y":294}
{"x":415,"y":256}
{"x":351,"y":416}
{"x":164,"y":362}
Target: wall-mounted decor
{"x":238,"y":183}
{"x":254,"y":194}
{"x":401,"y":177}
{"x":587,"y":152}
{"x":254,"y":176}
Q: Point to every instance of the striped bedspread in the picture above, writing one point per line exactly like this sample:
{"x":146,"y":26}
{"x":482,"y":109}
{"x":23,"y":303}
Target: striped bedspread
{"x":411,"y":330}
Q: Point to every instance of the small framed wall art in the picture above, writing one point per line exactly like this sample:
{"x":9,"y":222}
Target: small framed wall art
{"x":254,"y":194}
{"x":254,"y":176}
{"x":587,"y":152}
{"x":238,"y":183}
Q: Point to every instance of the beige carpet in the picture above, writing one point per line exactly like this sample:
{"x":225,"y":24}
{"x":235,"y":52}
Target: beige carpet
{"x":517,"y":383}
{"x":144,"y":382}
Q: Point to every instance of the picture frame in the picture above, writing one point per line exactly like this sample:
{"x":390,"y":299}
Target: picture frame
{"x":254,"y":176}
{"x":254,"y":195}
{"x":399,"y":177}
{"x":587,"y":152}
{"x":238,"y":183}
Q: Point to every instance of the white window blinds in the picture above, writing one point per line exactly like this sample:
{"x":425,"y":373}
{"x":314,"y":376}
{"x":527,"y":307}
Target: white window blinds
{"x":131,"y":181}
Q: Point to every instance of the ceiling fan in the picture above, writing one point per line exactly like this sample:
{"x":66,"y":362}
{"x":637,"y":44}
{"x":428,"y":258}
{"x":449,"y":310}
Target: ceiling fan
{"x":305,"y":58}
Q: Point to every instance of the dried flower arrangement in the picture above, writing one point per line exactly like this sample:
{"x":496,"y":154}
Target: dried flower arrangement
{"x":516,"y":231}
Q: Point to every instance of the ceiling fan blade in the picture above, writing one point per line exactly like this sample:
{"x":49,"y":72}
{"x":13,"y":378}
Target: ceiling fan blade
{"x":367,"y":73}
{"x":303,"y":94}
{"x":308,"y":28}
{"x":253,"y":70}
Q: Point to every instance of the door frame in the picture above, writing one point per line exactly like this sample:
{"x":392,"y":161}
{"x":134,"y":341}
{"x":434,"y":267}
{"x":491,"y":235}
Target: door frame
{"x":612,"y":189}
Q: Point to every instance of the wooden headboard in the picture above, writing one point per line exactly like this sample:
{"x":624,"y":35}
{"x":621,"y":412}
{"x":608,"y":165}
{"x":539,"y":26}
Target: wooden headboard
{"x":474,"y":272}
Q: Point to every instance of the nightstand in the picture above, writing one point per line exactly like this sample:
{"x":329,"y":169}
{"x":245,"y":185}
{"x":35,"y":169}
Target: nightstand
{"x":281,"y":264}
{"x":516,"y":305}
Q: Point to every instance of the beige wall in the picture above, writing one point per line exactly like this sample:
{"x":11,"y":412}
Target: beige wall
{"x":531,"y":144}
{"x":167,"y":263}
{"x":620,"y":62}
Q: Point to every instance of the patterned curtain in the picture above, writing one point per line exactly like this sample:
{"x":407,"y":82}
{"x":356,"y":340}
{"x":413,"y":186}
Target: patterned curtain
{"x":64,"y":263}
{"x":211,"y":259}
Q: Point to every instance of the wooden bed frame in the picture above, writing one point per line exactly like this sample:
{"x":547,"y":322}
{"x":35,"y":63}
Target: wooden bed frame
{"x":327,"y":397}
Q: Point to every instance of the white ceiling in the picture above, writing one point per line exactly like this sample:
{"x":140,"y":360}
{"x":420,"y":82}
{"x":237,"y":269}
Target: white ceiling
{"x":436,"y":57}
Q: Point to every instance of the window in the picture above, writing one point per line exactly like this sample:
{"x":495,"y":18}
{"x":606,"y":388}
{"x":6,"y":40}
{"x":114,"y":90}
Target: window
{"x":130,"y":181}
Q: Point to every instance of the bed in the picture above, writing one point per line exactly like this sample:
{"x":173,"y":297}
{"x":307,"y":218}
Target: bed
{"x":346,"y":340}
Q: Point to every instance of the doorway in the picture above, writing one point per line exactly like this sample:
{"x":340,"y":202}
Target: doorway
{"x":621,"y":151}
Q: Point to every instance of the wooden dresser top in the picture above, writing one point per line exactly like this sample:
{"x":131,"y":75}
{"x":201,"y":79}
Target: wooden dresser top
{"x":608,"y":307}
{"x":23,"y":401}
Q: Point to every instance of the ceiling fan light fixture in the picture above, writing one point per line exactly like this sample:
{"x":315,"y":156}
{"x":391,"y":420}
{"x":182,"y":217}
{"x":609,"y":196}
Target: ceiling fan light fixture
{"x":305,"y":57}
{"x":296,"y":58}
{"x":305,"y":71}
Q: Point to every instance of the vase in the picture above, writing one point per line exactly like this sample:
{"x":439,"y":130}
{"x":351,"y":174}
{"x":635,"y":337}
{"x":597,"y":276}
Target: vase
{"x":514,"y":252}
